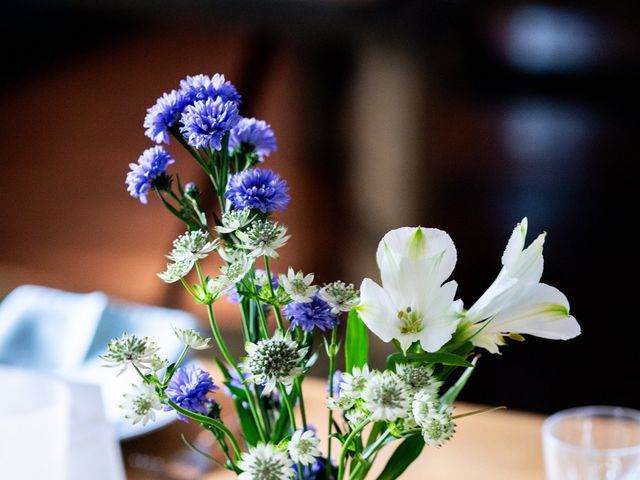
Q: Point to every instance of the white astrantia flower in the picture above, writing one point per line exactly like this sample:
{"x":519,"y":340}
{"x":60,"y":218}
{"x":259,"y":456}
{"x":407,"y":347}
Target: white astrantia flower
{"x":192,"y":246}
{"x":215,"y":287}
{"x":355,"y":416}
{"x":192,"y":339}
{"x":141,"y":404}
{"x":353,"y":383}
{"x":157,"y":363}
{"x":386,"y":397}
{"x":413,"y":304}
{"x":235,"y":271}
{"x":131,"y":350}
{"x":234,"y":220}
{"x":273,"y":360}
{"x":298,"y":285}
{"x":438,"y":428}
{"x":343,"y":402}
{"x":263,"y":238}
{"x":425,"y":404}
{"x":303,"y":447}
{"x":517,"y":303}
{"x":175,"y":271}
{"x":418,"y":377}
{"x":265,"y":462}
{"x":341,"y":296}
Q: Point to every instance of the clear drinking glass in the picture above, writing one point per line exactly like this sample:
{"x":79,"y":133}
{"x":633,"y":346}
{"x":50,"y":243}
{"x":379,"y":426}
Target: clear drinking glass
{"x":592,"y":443}
{"x":34,"y":426}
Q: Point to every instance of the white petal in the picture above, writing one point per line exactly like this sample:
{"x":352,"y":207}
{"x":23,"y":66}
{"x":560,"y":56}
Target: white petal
{"x":441,"y":318}
{"x":415,"y":243}
{"x":529,"y":265}
{"x":539,"y":310}
{"x":377,"y":310}
{"x":515,"y":245}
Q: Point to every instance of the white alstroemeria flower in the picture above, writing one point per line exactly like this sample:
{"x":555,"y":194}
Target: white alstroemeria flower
{"x":175,"y":271}
{"x":412,"y":304}
{"x":517,"y":303}
{"x":265,"y":461}
{"x":192,"y":246}
{"x":141,"y":405}
{"x":298,"y":285}
{"x":235,"y":220}
{"x":303,"y":447}
{"x":263,"y":238}
{"x":192,"y":339}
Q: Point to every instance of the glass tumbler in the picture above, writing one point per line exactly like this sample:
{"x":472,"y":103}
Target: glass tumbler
{"x":592,"y":443}
{"x":34,"y":426}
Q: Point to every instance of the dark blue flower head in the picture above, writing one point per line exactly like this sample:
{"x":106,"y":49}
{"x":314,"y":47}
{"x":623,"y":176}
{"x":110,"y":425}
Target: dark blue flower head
{"x":189,"y":388}
{"x":307,"y":315}
{"x":206,"y":121}
{"x":259,"y":189}
{"x":255,"y":135}
{"x":316,"y":471}
{"x":163,"y":115}
{"x":201,"y":87}
{"x":152,"y":164}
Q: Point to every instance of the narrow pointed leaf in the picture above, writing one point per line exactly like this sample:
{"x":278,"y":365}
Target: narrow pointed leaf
{"x":356,"y":349}
{"x":403,"y":456}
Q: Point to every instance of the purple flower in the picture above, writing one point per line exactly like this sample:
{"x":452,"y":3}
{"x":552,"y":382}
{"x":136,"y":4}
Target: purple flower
{"x":201,"y":87}
{"x":256,"y":135}
{"x":163,"y":115}
{"x":152,"y":164}
{"x":337,"y":379}
{"x":189,"y":388}
{"x":307,"y":315}
{"x":206,"y":121}
{"x":259,"y":189}
{"x":232,"y":293}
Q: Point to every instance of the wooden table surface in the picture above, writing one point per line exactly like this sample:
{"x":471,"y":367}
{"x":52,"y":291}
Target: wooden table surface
{"x":501,"y":445}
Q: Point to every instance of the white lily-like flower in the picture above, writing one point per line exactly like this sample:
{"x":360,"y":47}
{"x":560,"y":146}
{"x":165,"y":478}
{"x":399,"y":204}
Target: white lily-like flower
{"x":298,"y":285}
{"x":412,"y":304}
{"x":517,"y":303}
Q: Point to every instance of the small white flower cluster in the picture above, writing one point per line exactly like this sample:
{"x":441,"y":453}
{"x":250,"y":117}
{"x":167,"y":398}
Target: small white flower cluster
{"x":341,"y":296}
{"x":132,"y":350}
{"x":192,"y":339}
{"x":141,"y":404}
{"x":298,"y":286}
{"x":235,"y":220}
{"x":409,"y":396}
{"x":263,"y":238}
{"x":187,"y":250}
{"x":266,"y":461}
{"x":274,"y":360}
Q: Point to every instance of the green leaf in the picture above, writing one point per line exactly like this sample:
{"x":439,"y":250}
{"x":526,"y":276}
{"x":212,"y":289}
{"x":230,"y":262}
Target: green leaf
{"x":403,"y":456}
{"x":443,"y":358}
{"x":247,"y":424}
{"x":356,"y":350}
{"x":453,"y":392}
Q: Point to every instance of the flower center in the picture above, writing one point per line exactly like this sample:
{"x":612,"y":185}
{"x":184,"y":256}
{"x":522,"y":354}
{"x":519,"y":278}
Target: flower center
{"x":411,"y":321}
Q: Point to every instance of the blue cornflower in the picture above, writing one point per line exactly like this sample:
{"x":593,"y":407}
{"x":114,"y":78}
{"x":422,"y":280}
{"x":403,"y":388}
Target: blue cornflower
{"x":163,"y":115}
{"x":315,"y":471}
{"x":152,"y":164}
{"x":206,"y":121}
{"x":189,"y":388}
{"x":256,"y":135}
{"x":259,"y":189}
{"x":307,"y":315}
{"x":201,"y":87}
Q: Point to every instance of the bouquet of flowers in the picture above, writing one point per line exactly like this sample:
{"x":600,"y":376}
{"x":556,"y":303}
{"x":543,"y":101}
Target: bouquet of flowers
{"x":409,"y":404}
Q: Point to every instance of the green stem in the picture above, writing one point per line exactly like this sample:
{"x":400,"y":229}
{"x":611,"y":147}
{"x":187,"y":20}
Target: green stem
{"x":303,"y":414}
{"x":332,"y":367}
{"x":292,"y":418}
{"x":208,"y":421}
{"x":276,"y":308}
{"x":361,"y":470}
{"x":345,"y":447}
{"x":177,"y":363}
